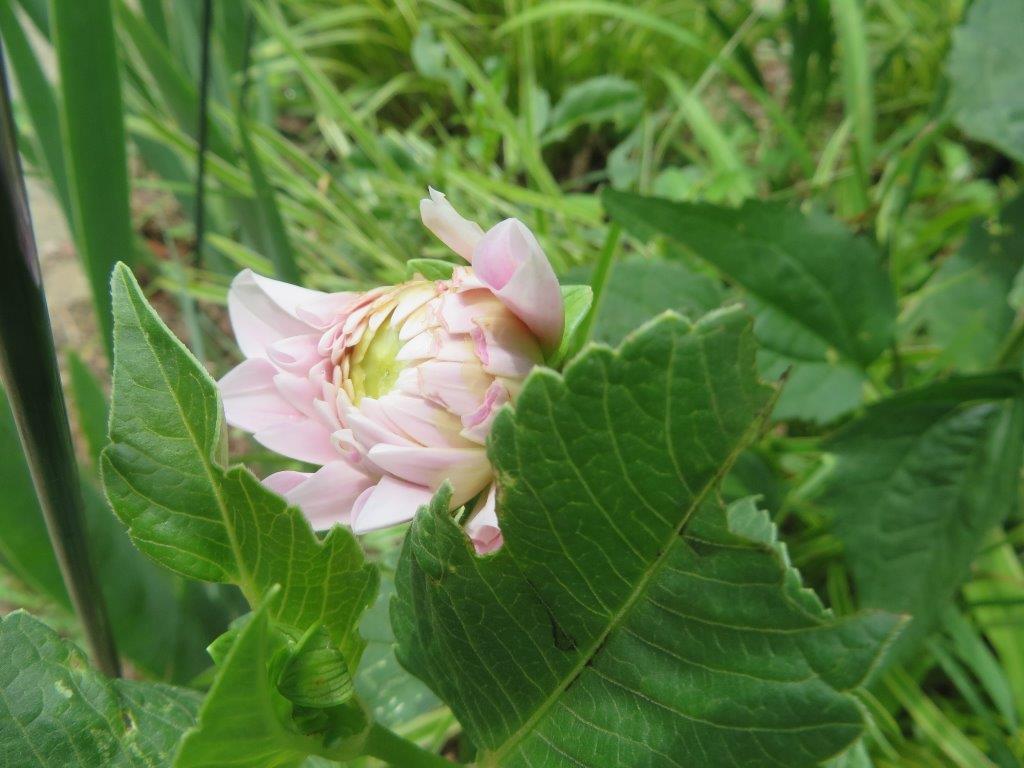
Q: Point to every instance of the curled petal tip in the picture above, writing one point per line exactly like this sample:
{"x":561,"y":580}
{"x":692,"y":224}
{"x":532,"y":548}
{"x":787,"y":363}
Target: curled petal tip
{"x":510,"y":261}
{"x":458,"y":233}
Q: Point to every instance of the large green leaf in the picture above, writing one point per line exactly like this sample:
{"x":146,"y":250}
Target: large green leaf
{"x":919,"y":480}
{"x":165,"y":478}
{"x":986,"y":97}
{"x":629,"y":620}
{"x":140,"y":595}
{"x":57,"y":712}
{"x":965,"y":304}
{"x":806,"y":267}
{"x":640,"y":289}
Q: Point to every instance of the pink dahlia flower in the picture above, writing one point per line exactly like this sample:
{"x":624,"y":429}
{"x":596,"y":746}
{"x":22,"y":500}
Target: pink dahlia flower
{"x":393,"y":391}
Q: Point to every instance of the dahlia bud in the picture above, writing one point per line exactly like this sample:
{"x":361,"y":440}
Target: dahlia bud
{"x":393,"y":391}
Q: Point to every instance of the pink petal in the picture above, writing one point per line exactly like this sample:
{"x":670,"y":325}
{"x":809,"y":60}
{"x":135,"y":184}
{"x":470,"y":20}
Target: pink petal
{"x":389,"y":502}
{"x":251,"y":400}
{"x":325,"y":497}
{"x":510,"y":261}
{"x":461,"y":311}
{"x":301,"y":393}
{"x":459,"y":387}
{"x":296,"y":354}
{"x":282,"y":482}
{"x":264,"y":311}
{"x":459,"y":234}
{"x":482,"y":527}
{"x":304,"y":440}
{"x":506,"y":347}
{"x":466,"y":468}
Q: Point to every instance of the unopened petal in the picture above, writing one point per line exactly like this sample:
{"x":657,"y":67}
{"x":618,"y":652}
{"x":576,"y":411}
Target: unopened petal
{"x":510,"y":261}
{"x":458,"y":233}
{"x":482,"y":527}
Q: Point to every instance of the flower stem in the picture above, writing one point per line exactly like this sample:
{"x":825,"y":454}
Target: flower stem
{"x":398,"y":752}
{"x":599,"y":282}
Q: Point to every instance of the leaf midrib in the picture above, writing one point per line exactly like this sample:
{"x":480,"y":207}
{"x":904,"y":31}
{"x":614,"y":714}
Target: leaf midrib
{"x":493,"y":758}
{"x":245,"y":582}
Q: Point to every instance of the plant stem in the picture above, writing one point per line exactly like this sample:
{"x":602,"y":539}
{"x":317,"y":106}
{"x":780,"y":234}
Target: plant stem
{"x":28,"y":370}
{"x":599,"y":282}
{"x":394,"y":750}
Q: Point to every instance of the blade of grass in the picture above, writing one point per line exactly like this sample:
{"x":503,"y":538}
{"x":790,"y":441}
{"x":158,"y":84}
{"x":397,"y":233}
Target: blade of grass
{"x":92,"y":124}
{"x":276,"y":235}
{"x":941,"y":731}
{"x":40,"y":102}
{"x":720,"y":151}
{"x":858,"y":87}
{"x":153,"y":10}
{"x":28,"y":369}
{"x":329,"y":98}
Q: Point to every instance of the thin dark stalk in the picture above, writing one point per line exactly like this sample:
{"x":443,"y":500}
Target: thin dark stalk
{"x":28,"y":370}
{"x":202,"y":129}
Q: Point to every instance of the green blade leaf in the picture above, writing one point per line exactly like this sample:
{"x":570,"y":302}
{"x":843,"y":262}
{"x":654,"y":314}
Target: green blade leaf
{"x":165,"y":480}
{"x":984,"y":68}
{"x":40,"y":102}
{"x":92,"y":124}
{"x":919,"y":480}
{"x":627,"y":613}
{"x":58,"y":712}
{"x":806,"y":267}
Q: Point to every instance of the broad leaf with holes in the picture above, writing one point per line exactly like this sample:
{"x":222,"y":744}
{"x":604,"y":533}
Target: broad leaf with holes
{"x":56,"y":711}
{"x":183,"y":508}
{"x":629,"y":620}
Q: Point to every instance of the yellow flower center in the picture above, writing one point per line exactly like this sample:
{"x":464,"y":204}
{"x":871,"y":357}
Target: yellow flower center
{"x":374,"y":367}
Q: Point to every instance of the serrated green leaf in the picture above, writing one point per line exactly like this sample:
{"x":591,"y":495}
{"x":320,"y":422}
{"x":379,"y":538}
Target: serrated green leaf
{"x":140,"y":595}
{"x":164,"y":478}
{"x":628,"y":619}
{"x":806,"y":267}
{"x":919,"y":480}
{"x":57,"y":712}
{"x":985,"y":63}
